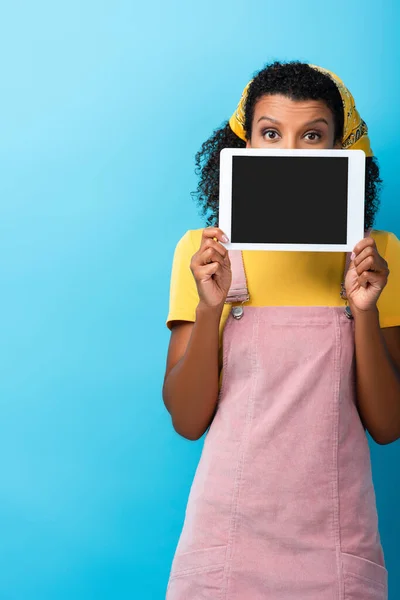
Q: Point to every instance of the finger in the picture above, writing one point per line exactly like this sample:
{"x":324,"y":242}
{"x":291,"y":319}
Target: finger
{"x":362,"y":280}
{"x":365,"y":253}
{"x":372,"y":278}
{"x":206,"y":272}
{"x":210,"y":255}
{"x":372,"y":262}
{"x":365,"y":243}
{"x":379,"y":263}
{"x":210,"y":243}
{"x":367,"y":264}
{"x":215,"y":232}
{"x":201,"y":259}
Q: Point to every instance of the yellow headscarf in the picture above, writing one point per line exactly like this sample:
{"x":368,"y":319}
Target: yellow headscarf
{"x":355,"y":131}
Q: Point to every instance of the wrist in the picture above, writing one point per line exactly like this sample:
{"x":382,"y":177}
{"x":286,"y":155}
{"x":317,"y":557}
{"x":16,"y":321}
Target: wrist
{"x":209,"y":312}
{"x":368,"y":314}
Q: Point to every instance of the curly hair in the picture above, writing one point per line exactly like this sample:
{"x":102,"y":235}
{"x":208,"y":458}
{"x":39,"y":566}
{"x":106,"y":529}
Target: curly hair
{"x":297,"y":81}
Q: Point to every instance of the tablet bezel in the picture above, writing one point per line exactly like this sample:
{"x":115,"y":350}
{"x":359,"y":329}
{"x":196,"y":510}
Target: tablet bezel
{"x":355,"y":204}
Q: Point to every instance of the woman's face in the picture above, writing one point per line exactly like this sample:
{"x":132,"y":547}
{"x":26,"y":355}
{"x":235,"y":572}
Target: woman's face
{"x":279,"y":122}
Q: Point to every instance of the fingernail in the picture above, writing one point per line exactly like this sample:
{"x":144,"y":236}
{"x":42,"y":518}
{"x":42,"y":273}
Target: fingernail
{"x":352,"y":256}
{"x":225,"y":239}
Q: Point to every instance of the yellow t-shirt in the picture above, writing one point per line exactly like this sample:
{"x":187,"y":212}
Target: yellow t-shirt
{"x":284,"y":279}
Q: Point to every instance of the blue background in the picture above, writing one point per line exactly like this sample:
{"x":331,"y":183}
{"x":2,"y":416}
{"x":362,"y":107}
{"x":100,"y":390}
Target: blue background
{"x":103,"y":106}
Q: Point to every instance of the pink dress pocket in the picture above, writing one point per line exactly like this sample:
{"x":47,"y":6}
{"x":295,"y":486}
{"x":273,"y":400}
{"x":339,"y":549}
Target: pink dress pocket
{"x":197,"y":574}
{"x":363,"y":579}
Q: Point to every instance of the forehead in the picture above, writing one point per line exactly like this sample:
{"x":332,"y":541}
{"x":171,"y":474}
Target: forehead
{"x":286,"y":110}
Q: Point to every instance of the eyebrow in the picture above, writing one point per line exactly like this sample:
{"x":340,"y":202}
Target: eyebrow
{"x":314,"y":122}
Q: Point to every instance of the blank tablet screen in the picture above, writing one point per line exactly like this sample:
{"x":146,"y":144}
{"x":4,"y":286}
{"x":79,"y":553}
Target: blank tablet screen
{"x":289,"y":200}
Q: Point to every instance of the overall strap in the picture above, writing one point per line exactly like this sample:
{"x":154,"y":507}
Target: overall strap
{"x":238,"y":291}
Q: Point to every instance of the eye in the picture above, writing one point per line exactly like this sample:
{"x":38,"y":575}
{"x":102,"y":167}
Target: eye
{"x":313,"y":136}
{"x":270,"y":134}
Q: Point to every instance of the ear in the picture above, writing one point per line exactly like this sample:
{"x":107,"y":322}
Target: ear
{"x":248,"y":144}
{"x":338,"y":146}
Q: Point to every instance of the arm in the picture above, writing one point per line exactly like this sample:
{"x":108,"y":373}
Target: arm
{"x":378,"y":376}
{"x":191,"y":381}
{"x":377,"y":350}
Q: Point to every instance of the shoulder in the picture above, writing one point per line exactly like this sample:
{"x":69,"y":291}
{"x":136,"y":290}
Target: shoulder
{"x":195,"y":236}
{"x":387,"y":243}
{"x":382,"y":235}
{"x":189,"y":242}
{"x":388,"y":246}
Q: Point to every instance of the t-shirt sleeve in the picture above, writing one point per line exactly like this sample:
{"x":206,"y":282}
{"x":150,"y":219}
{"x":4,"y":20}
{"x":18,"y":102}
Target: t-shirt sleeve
{"x":389,"y":300}
{"x":183,"y":298}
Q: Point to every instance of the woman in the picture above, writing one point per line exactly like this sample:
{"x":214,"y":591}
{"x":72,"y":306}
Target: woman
{"x":282,"y":505}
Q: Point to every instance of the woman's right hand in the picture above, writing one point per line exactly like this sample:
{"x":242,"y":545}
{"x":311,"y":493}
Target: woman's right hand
{"x":211,"y":268}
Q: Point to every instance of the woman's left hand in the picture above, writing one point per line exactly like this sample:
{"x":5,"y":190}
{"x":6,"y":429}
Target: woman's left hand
{"x":367,"y":276}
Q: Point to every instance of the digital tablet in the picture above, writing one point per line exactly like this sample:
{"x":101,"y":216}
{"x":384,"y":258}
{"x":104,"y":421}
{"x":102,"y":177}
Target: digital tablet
{"x":292,"y":199}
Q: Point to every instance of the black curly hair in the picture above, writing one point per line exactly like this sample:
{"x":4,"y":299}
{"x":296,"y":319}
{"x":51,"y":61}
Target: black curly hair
{"x":297,"y":81}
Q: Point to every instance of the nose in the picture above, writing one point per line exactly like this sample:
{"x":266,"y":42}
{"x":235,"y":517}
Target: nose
{"x":291,"y":142}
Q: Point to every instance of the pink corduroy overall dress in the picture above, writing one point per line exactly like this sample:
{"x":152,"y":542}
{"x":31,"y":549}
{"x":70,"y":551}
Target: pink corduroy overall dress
{"x":282,"y":506}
